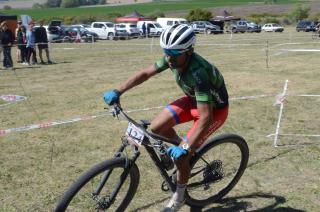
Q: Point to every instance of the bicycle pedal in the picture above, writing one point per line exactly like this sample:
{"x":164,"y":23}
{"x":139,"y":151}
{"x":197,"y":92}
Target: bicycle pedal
{"x":164,"y":186}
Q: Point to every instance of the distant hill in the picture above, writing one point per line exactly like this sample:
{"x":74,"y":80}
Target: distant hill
{"x":24,"y":4}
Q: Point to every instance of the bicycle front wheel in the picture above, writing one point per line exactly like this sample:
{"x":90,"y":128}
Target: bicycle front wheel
{"x":315,"y":35}
{"x":216,"y":168}
{"x":117,"y":184}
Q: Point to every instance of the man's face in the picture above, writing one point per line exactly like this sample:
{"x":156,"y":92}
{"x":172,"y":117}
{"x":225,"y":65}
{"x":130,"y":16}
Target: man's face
{"x":177,"y":59}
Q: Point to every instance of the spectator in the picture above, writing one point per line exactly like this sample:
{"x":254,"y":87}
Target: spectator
{"x":144,"y":28}
{"x":7,"y":39}
{"x":31,"y":44}
{"x":22,"y":42}
{"x":1,"y":49}
{"x":318,"y":28}
{"x":148,"y":30}
{"x":42,"y":42}
{"x":19,"y":60}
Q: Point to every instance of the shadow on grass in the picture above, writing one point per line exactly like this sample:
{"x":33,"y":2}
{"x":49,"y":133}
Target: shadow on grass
{"x":265,"y":160}
{"x":243,"y":203}
{"x":238,"y":203}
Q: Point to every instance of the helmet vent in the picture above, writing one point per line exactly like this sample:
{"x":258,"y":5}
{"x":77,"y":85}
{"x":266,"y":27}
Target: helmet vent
{"x":180,"y":33}
{"x":186,"y":39}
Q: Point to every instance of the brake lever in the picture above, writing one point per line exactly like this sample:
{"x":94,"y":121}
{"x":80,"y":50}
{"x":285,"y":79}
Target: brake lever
{"x":115,"y":111}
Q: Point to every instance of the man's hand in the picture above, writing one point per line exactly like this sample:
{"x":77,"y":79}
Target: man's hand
{"x":176,"y":152}
{"x":111,"y":97}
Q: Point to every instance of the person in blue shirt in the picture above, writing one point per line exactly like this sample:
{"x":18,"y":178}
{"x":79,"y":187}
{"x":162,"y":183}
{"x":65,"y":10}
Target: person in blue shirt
{"x":31,"y":44}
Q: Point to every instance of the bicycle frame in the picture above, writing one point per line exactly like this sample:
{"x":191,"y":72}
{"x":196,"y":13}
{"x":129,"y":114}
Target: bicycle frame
{"x":130,"y":161}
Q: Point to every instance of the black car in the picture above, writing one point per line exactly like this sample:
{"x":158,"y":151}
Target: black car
{"x":85,"y":34}
{"x":306,"y":26}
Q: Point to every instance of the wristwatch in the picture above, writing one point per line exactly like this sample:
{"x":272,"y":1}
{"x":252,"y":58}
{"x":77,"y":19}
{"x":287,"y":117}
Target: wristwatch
{"x":186,"y":146}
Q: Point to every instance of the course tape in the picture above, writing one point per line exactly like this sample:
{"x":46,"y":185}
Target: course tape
{"x":279,"y":101}
{"x":84,"y":118}
{"x":10,"y":98}
{"x":295,"y":135}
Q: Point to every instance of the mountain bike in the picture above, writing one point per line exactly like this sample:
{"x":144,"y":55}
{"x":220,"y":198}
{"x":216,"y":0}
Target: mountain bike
{"x":315,"y":35}
{"x":216,"y":167}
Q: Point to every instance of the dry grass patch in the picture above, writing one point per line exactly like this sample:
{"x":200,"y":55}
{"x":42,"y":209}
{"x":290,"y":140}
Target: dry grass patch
{"x":38,"y":165}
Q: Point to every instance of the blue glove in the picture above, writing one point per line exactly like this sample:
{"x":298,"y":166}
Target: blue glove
{"x":111,"y":97}
{"x":176,"y":152}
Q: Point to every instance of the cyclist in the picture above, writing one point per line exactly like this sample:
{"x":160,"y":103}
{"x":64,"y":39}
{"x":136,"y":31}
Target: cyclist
{"x":205,"y":101}
{"x":317,"y":27}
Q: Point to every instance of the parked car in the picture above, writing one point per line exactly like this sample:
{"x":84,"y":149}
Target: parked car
{"x":54,"y":30}
{"x":121,"y":32}
{"x":238,"y":26}
{"x":205,"y":26}
{"x":105,"y":30}
{"x":306,"y":26}
{"x":85,"y":34}
{"x":253,"y":27}
{"x":155,"y":29}
{"x":131,"y":29}
{"x":167,"y":22}
{"x":272,"y":27}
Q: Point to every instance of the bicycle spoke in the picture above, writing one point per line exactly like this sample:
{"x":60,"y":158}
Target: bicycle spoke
{"x":87,"y":200}
{"x":214,"y":170}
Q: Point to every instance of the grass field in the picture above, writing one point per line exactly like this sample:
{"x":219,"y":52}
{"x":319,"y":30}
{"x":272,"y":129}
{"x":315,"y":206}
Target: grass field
{"x":38,"y":165}
{"x":145,"y":8}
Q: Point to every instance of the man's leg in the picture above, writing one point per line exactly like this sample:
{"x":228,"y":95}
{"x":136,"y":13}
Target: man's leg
{"x":40,"y":55}
{"x":48,"y":56}
{"x":163,"y":125}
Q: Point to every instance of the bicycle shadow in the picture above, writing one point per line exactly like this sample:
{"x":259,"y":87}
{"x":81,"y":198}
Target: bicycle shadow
{"x":237,"y":203}
{"x":243,"y":203}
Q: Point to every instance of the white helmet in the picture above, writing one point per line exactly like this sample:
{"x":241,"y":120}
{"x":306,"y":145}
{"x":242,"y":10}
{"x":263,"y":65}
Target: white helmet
{"x":178,"y":37}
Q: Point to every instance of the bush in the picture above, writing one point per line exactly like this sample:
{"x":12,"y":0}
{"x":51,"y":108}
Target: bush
{"x":156,"y":14}
{"x":199,"y":15}
{"x":286,"y":21}
{"x":85,"y":19}
{"x":299,"y":13}
{"x":69,"y":3}
{"x":53,"y":3}
{"x":69,"y":20}
{"x":315,"y":17}
{"x":7,"y":7}
{"x":38,"y":6}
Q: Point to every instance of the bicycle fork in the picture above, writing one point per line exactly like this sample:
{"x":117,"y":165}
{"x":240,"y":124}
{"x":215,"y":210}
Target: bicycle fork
{"x":128,"y":165}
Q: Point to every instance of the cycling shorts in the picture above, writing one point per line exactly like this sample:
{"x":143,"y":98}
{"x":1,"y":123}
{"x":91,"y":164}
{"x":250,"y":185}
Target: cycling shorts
{"x":185,"y":109}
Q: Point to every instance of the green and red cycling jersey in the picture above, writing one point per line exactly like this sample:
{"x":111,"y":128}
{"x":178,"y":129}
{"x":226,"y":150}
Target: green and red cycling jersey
{"x":201,"y":81}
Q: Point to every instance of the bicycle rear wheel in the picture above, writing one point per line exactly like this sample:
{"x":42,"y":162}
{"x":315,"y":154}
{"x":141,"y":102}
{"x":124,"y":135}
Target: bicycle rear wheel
{"x":216,"y":168}
{"x":80,"y":196}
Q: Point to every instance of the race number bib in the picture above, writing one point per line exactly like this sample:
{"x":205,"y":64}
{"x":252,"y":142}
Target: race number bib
{"x":135,"y":133}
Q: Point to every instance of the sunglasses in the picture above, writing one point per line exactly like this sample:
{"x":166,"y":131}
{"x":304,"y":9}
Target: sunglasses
{"x":174,"y":52}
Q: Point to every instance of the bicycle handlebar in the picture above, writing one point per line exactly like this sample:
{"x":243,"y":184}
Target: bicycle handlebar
{"x":117,"y":109}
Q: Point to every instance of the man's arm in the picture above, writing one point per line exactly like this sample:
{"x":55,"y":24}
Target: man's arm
{"x":137,"y":79}
{"x":205,"y":112}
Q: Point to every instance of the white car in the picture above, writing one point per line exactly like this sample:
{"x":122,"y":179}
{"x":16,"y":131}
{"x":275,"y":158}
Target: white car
{"x":131,"y":29}
{"x":105,"y":30}
{"x":272,"y":27}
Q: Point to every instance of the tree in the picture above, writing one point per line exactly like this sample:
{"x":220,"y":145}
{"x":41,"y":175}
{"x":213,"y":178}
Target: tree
{"x":38,"y":6}
{"x":199,"y":15}
{"x":300,"y":12}
{"x":53,"y":3}
{"x":69,"y":3}
{"x":7,"y":7}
